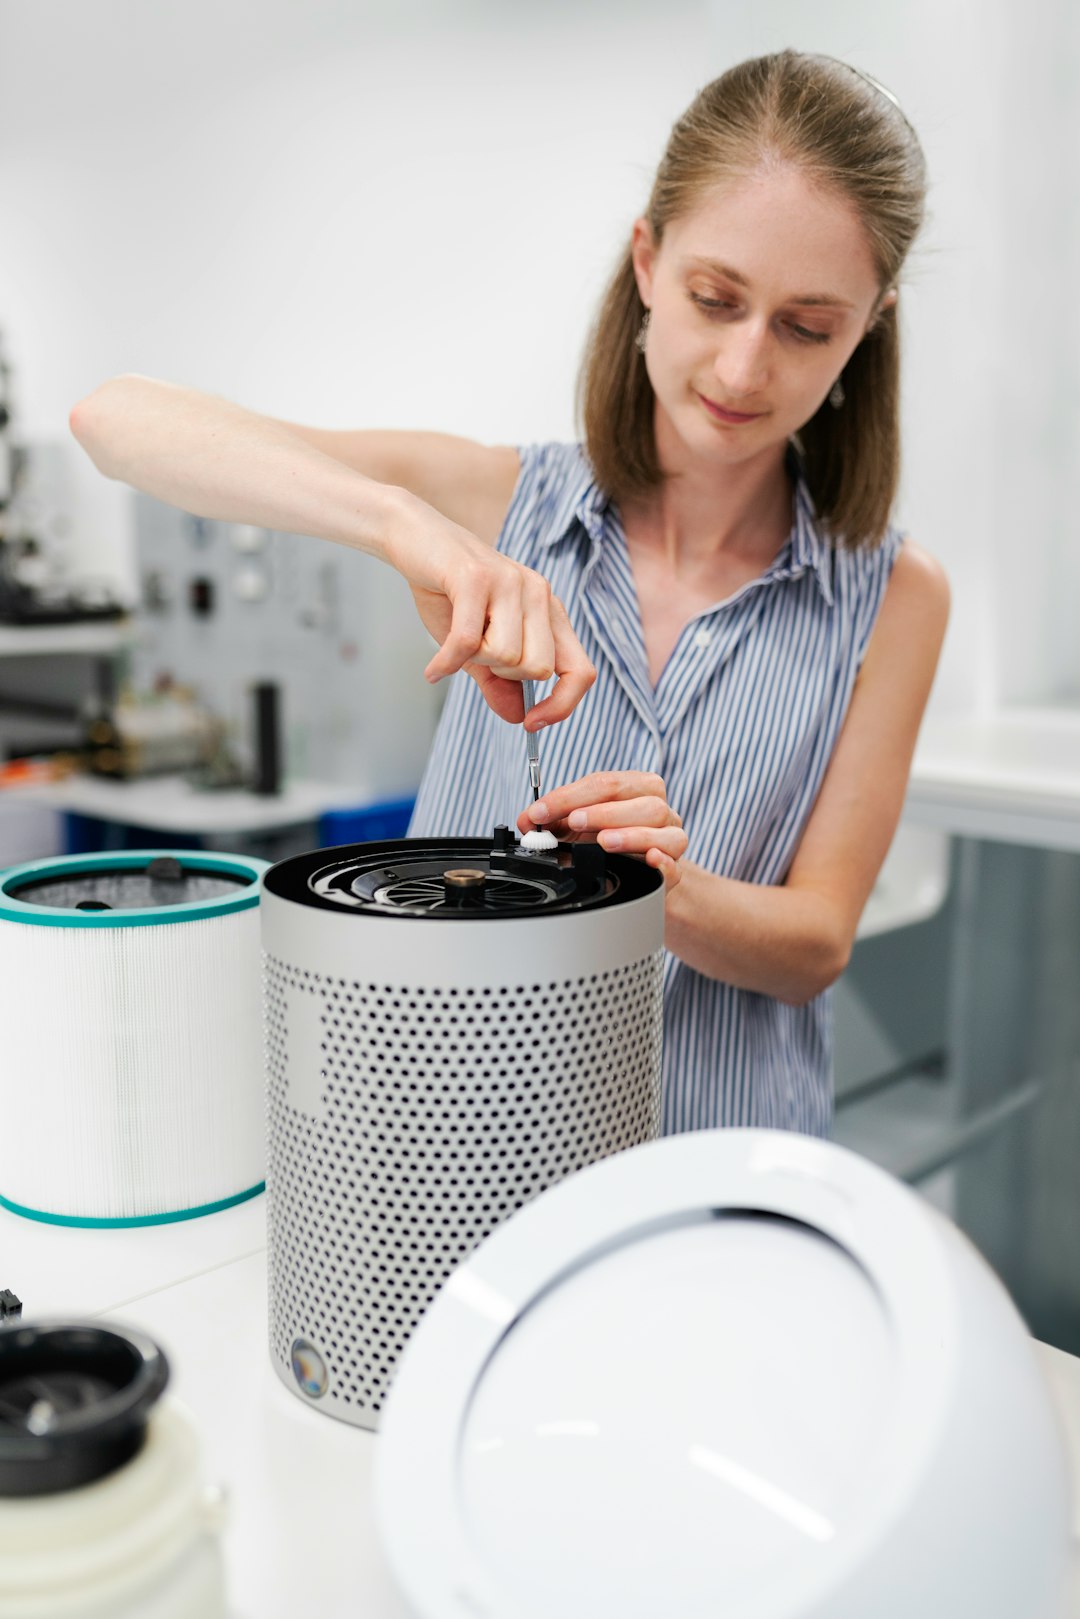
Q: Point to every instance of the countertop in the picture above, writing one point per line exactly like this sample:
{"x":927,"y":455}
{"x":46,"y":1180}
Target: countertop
{"x":1012,"y":775}
{"x":300,"y":1537}
{"x":172,"y":804}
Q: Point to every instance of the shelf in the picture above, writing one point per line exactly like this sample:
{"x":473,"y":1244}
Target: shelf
{"x":19,"y":641}
{"x":169,"y":803}
{"x":1012,"y":776}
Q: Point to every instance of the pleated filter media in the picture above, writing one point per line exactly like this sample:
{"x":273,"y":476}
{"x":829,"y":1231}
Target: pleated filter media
{"x":132,"y":1081}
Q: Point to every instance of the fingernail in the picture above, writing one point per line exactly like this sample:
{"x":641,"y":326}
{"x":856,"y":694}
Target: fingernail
{"x":612,"y":840}
{"x":577,"y":819}
{"x":539,"y":811}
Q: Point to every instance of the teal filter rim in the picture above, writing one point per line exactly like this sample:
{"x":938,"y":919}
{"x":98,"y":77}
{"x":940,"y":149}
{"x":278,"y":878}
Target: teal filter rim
{"x":12,"y":909}
{"x":166,"y":1218}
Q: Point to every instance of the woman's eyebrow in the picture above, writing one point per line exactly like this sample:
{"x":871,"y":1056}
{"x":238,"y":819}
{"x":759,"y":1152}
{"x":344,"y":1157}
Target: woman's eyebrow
{"x":821,"y":300}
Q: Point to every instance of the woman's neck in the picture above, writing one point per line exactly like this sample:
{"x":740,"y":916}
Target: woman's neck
{"x":697,"y":513}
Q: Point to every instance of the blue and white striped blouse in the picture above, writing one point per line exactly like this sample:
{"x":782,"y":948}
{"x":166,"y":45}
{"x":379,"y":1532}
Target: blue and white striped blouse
{"x":741,"y":726}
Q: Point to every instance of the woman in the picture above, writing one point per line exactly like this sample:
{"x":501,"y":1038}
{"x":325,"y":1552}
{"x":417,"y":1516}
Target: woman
{"x":718,"y":556}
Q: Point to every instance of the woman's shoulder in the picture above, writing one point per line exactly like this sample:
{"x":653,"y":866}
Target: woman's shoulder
{"x":895,"y":574}
{"x":919,"y":576}
{"x":554,"y":463}
{"x":898,"y":561}
{"x":554,"y":477}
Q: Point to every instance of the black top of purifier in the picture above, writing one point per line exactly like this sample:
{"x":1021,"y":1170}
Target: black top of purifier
{"x":74,"y":1403}
{"x":460,"y":878}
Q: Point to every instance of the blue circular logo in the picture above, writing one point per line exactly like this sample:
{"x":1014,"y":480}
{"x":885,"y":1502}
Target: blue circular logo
{"x":309,"y":1369}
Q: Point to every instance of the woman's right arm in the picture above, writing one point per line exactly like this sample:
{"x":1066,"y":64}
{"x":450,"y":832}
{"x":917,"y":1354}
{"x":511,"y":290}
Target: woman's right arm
{"x":428,"y":504}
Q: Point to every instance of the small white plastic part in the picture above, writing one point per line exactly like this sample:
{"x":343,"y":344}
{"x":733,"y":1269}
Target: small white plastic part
{"x":142,"y":1543}
{"x":540,"y":839}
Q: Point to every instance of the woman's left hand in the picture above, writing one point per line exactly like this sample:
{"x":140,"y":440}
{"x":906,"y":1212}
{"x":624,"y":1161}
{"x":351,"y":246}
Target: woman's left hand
{"x":625,"y":811}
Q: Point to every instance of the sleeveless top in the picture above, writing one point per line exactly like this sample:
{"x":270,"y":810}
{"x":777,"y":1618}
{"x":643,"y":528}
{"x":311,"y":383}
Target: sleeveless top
{"x":741,"y":727}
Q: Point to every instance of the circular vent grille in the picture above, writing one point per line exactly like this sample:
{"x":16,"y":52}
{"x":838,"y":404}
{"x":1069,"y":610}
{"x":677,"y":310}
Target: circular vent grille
{"x":417,"y":878}
{"x":429,"y":893}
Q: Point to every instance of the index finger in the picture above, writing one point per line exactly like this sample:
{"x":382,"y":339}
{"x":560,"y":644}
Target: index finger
{"x":602,"y":787}
{"x":574,"y":673}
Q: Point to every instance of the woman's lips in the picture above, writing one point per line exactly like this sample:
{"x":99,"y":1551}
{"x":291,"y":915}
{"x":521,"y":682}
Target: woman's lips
{"x":732,"y":416}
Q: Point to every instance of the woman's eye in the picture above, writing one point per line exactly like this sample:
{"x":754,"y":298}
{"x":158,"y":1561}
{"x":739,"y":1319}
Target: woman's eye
{"x":717,"y":306}
{"x":805,"y":335}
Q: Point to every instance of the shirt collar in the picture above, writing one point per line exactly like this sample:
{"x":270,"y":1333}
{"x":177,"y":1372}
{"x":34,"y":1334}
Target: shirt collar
{"x":809,"y":546}
{"x":583,"y":501}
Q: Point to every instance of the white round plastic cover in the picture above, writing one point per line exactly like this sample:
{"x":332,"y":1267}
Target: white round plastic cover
{"x":728,"y":1373}
{"x":583,"y":1438}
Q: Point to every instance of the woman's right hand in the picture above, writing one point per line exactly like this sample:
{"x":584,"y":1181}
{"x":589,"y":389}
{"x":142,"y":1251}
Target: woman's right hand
{"x":492,"y":617}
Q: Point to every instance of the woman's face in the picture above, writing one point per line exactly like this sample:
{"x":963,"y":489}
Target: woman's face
{"x":758,"y":299}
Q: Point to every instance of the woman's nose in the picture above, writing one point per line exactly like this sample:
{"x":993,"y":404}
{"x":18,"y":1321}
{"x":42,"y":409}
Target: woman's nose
{"x":741,"y":363}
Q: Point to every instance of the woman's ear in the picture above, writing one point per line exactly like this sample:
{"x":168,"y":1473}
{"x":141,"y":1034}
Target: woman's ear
{"x":642,"y":257}
{"x":886,"y":301}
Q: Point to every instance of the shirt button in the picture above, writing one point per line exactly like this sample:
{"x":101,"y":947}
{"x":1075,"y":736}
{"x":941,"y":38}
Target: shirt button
{"x":702,"y":637}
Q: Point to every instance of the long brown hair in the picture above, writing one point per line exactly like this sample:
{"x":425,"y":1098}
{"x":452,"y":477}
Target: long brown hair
{"x":846,"y":132}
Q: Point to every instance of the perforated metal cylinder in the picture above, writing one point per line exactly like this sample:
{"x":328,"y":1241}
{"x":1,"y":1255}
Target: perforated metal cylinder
{"x":426,"y":1077}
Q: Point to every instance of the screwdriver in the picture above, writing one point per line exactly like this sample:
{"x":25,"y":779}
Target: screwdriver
{"x":532,"y":740}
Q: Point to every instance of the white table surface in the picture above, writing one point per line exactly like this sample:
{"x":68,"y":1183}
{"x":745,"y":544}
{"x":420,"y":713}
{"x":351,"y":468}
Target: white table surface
{"x":301,"y":1536}
{"x":1013,"y":776}
{"x":171,"y":804}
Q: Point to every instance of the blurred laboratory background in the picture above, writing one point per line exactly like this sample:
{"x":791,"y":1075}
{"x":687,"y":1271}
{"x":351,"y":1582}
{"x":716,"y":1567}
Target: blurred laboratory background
{"x":364,"y":213}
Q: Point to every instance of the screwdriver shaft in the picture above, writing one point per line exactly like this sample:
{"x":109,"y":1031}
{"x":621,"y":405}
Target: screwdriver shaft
{"x":532,"y":741}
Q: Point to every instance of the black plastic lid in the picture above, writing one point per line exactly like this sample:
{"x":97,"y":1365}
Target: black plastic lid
{"x":463,"y":879}
{"x":74,"y":1403}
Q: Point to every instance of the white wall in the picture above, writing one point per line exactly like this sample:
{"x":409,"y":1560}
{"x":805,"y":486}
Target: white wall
{"x":401,"y":214}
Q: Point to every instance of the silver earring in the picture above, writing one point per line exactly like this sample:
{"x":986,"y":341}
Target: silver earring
{"x":837,"y":394}
{"x":643,"y":333}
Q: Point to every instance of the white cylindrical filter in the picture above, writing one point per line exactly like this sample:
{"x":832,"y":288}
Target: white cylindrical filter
{"x":103,"y":1512}
{"x":452,"y":1025}
{"x":131,"y":1090}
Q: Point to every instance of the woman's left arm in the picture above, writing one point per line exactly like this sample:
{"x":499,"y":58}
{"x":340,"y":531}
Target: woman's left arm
{"x":792,"y":941}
